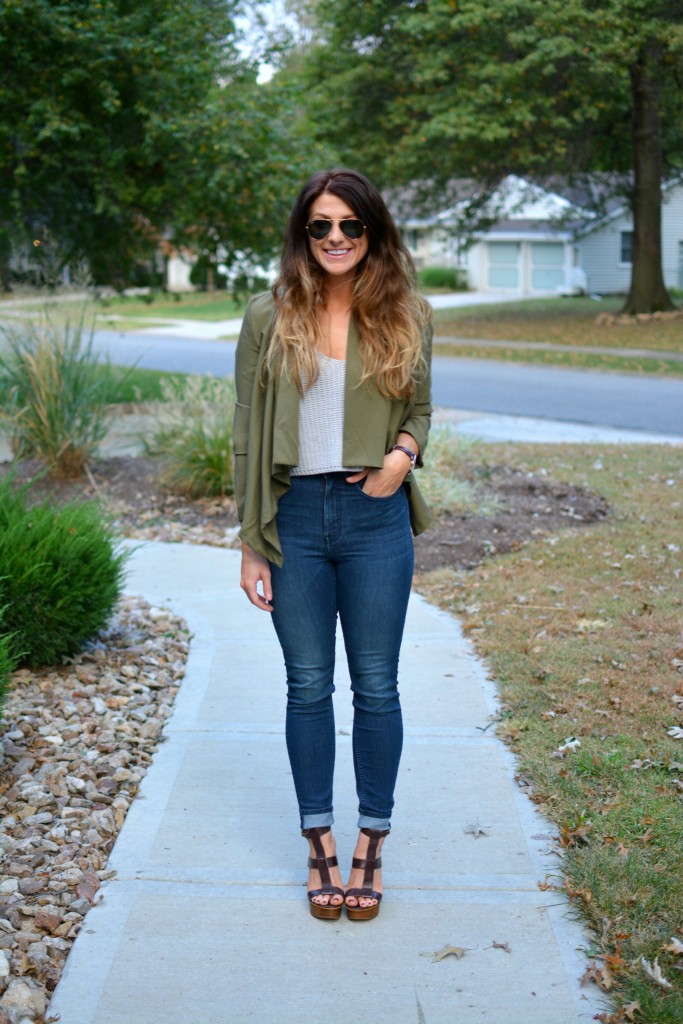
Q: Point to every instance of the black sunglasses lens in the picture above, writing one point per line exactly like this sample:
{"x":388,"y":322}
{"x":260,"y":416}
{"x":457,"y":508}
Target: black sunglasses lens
{"x":319,"y":229}
{"x":352,"y":228}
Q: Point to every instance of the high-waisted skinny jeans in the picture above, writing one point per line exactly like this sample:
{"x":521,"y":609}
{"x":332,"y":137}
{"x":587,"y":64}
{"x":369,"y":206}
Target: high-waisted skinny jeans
{"x":348,"y":554}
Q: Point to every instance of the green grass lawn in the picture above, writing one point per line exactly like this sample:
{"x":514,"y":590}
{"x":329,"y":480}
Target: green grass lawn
{"x":582,"y":632}
{"x":192,"y":306}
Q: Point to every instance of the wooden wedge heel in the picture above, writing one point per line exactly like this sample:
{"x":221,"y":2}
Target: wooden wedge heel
{"x":322,"y":864}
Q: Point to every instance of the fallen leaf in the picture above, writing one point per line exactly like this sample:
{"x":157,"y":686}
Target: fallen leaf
{"x":675,"y":946}
{"x":631,"y":1009}
{"x":676,"y":732}
{"x":457,"y":951}
{"x":569,"y":745}
{"x":600,"y":974}
{"x":578,"y":894}
{"x":476,"y":830}
{"x":654,"y":972}
{"x":502,"y":945}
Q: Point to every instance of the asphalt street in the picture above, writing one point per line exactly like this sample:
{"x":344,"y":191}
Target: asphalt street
{"x":630,"y":401}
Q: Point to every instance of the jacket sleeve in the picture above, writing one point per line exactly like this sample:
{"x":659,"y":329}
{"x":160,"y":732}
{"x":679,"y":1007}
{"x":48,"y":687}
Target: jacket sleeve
{"x":419,"y":411}
{"x":246,"y":365}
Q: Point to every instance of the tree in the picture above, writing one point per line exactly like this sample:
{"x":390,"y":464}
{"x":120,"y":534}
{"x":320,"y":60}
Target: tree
{"x":128,"y":120}
{"x":433,"y":90}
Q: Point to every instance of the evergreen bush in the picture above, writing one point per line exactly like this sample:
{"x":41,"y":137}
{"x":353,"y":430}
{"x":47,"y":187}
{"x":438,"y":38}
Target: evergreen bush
{"x":193,"y":436}
{"x":454,"y":278}
{"x":53,"y":392}
{"x":60,"y":576}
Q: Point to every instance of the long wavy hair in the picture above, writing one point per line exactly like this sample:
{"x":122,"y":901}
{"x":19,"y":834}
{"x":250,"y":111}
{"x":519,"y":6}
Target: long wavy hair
{"x":390,"y":314}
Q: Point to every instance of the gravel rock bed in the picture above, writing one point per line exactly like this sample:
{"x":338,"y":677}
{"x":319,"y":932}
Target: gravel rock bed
{"x":76,"y":743}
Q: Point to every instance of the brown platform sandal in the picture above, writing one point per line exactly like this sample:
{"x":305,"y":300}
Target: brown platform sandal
{"x":322,"y":864}
{"x":370,"y":864}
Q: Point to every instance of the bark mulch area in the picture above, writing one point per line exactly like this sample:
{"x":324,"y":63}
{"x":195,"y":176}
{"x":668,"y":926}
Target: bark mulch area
{"x":527,"y":506}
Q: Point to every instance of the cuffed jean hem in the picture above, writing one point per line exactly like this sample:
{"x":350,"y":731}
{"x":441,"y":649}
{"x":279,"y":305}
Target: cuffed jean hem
{"x":380,"y":824}
{"x":317,"y":820}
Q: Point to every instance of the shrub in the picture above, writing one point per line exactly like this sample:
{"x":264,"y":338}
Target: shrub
{"x":193,"y":436}
{"x":454,"y":278}
{"x":61,"y":575}
{"x":53,"y":393}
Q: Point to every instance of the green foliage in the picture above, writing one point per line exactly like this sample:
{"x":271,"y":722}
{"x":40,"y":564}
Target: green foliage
{"x":480,"y":89}
{"x":443,"y":277}
{"x":8,"y":663}
{"x":204,"y":274}
{"x":62,"y":576}
{"x":53,"y":392}
{"x":194,"y":436}
{"x":121,"y":123}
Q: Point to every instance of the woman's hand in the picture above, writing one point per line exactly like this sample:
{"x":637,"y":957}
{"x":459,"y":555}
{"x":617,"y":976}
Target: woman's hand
{"x":382,"y":483}
{"x":255,"y":570}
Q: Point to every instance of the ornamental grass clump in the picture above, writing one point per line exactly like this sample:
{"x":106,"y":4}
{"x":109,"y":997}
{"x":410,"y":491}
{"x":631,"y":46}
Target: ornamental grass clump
{"x":60,"y":576}
{"x":8,"y":663}
{"x":53,"y":393}
{"x":193,"y":436}
{"x":443,"y":481}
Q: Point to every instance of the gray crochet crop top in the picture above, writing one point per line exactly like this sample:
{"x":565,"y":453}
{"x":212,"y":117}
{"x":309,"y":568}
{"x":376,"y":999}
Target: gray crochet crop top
{"x":321,"y":422}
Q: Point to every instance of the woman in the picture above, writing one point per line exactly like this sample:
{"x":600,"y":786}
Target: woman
{"x":333,"y":411}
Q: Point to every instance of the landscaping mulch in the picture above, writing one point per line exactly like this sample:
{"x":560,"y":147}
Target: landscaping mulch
{"x":526,"y":506}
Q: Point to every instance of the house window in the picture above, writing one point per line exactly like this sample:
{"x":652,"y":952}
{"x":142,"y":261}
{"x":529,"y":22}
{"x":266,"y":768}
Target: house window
{"x":626,"y":247}
{"x":410,"y":237}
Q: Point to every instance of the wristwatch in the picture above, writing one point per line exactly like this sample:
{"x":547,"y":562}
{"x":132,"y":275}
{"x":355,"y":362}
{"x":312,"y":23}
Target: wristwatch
{"x":406,"y":451}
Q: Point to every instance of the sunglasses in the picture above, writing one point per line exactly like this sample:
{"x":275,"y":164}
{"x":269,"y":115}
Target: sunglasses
{"x":320,"y":229}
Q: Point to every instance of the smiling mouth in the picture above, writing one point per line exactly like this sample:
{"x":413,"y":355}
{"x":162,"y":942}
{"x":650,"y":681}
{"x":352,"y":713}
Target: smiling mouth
{"x":336,"y":252}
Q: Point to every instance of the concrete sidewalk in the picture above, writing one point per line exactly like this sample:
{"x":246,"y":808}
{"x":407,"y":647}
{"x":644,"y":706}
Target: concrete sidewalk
{"x":206,"y":921}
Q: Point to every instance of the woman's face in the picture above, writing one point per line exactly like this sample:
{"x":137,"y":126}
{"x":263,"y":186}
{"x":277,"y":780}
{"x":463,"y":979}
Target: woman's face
{"x":337,"y":255}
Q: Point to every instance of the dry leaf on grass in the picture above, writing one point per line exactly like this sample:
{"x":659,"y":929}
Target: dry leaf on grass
{"x":457,"y":951}
{"x":675,"y":946}
{"x":569,"y":746}
{"x":654,"y":973}
{"x":600,"y":974}
{"x":676,"y":732}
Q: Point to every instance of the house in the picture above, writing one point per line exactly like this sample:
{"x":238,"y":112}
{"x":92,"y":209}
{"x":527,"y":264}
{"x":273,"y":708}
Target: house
{"x":605,"y":245}
{"x":542,"y":243}
{"x":528,"y":250}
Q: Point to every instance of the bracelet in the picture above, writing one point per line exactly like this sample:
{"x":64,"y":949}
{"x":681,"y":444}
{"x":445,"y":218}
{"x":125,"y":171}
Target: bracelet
{"x":406,"y":451}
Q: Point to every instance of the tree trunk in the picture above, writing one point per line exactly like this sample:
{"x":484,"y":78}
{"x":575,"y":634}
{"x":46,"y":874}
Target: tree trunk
{"x":5,"y":252}
{"x":648,"y":292}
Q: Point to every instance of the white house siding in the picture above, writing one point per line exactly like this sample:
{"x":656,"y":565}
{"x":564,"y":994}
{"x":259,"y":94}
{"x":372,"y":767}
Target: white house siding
{"x":600,"y":250}
{"x":178,"y":275}
{"x":672,"y":237}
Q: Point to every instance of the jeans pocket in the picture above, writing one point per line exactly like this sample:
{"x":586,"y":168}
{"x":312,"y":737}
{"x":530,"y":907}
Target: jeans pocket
{"x":373,"y":497}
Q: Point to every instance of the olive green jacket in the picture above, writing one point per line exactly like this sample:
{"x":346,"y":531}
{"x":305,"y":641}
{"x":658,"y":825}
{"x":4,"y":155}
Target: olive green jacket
{"x":266,"y":429}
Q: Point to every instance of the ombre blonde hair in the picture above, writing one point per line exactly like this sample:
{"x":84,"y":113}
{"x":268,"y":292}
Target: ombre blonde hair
{"x":390,"y":314}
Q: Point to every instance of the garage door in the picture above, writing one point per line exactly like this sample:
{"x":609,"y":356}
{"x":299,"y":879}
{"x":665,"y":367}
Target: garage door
{"x":504,"y":264}
{"x":547,"y":266}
